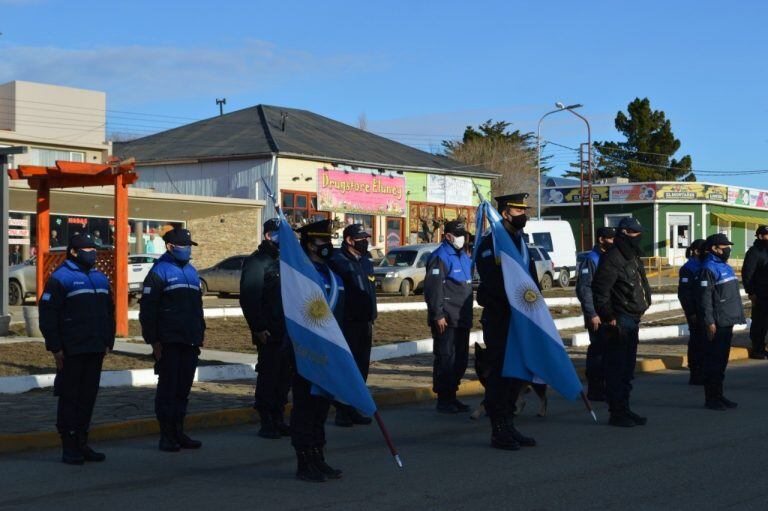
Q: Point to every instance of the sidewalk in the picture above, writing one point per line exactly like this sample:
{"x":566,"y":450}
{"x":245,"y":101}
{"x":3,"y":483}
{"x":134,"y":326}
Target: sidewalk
{"x":28,"y":419}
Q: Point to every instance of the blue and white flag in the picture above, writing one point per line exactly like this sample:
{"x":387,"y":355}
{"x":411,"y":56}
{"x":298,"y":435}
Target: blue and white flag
{"x":534,"y":349}
{"x":322,"y":353}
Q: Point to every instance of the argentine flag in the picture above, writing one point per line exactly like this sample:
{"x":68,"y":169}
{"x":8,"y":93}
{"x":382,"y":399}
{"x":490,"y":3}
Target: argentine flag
{"x":322,"y":353}
{"x":534,"y":349}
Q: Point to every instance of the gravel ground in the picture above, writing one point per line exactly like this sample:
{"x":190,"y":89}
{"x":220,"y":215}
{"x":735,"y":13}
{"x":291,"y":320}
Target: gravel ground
{"x":31,"y":358}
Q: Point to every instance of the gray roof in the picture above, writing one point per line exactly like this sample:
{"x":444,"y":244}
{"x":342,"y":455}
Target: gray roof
{"x":258,"y":132}
{"x":561,"y":181}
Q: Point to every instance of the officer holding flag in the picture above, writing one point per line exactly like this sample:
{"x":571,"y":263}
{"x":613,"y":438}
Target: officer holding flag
{"x":491,"y":294}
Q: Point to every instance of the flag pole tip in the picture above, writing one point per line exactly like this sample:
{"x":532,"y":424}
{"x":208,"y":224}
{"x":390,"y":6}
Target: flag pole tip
{"x":398,"y":461}
{"x":594,"y":416}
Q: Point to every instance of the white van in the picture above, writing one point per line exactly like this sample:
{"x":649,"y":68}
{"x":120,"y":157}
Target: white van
{"x":556,"y":237}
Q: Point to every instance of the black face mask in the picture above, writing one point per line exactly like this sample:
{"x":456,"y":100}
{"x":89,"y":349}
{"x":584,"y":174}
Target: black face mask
{"x":519,"y":221}
{"x":361,"y":246}
{"x":324,"y":251}
{"x":633,"y":242}
{"x":86,"y":259}
{"x":726,"y":254}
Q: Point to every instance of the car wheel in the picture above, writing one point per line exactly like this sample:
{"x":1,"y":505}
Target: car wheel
{"x":546,"y":282}
{"x":564,"y":279}
{"x":405,"y":288}
{"x":203,"y":287}
{"x":15,"y":293}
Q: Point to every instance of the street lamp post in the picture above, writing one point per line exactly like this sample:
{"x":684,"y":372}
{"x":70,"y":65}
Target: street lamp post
{"x":589,"y":173}
{"x":5,"y":152}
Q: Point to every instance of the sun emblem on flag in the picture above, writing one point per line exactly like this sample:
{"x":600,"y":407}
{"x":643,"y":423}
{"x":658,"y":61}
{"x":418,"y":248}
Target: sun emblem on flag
{"x":527,"y":296}
{"x":315,"y":310}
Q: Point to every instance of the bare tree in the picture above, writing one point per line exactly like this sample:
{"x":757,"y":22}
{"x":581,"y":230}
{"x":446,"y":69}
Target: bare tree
{"x":513,"y":160}
{"x":118,"y":136}
{"x":362,"y":121}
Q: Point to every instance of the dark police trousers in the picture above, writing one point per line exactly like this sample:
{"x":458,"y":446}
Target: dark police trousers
{"x":697,"y":338}
{"x":759,"y":328}
{"x":620,"y":359}
{"x":451,"y":350}
{"x":308,"y":415}
{"x":501,"y":393}
{"x":595,"y":370}
{"x":77,"y":385}
{"x":176,"y":370}
{"x":716,"y":354}
{"x":273,"y":380}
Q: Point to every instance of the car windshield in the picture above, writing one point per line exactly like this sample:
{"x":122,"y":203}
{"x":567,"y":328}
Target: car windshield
{"x":400,"y":258}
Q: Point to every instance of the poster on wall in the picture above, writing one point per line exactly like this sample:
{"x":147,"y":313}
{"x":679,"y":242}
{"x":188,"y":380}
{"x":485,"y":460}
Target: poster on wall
{"x":639,"y":192}
{"x":572,"y":195}
{"x":449,"y":190}
{"x":691,"y":191}
{"x":364,"y":194}
{"x":740,"y":196}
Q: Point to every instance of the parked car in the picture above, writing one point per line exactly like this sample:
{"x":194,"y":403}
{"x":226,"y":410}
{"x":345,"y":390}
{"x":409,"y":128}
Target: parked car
{"x":556,"y":238}
{"x":138,"y":268}
{"x":403,"y":269}
{"x":23,"y":279}
{"x":224,"y":277}
{"x":377,"y":255}
{"x":545,"y":270}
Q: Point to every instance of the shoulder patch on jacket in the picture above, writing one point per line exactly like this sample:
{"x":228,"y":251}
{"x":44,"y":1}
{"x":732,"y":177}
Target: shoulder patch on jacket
{"x":487,"y":253}
{"x":436,"y":271}
{"x":45,"y":297}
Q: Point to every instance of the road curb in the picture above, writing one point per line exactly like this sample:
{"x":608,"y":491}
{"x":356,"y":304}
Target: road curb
{"x":234,"y":416}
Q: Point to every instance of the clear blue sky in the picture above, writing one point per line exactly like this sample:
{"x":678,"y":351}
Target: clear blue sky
{"x":419,"y":70}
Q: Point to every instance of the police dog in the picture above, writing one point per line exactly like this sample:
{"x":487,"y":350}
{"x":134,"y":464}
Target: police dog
{"x":482,"y":369}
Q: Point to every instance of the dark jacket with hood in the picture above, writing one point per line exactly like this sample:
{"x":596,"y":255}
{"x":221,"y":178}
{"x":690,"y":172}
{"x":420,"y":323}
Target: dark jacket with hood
{"x":260,"y":295}
{"x":620,"y":285}
{"x":448,"y":286}
{"x":719,"y":298}
{"x":359,"y":284}
{"x":754,"y":271}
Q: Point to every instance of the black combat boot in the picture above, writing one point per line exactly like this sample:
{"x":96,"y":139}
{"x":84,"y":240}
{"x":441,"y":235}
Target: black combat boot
{"x":460,"y":407}
{"x":88,"y":453}
{"x":446,"y":403}
{"x":328,"y":471}
{"x":358,"y":418}
{"x":70,"y":454}
{"x":168,"y":440}
{"x":726,"y":402}
{"x":638,"y":419}
{"x":619,"y":417}
{"x":307,"y":470}
{"x":184,"y":441}
{"x":279,"y":418}
{"x":521,"y":439}
{"x":501,"y":437}
{"x":712,"y":398}
{"x":268,"y":427}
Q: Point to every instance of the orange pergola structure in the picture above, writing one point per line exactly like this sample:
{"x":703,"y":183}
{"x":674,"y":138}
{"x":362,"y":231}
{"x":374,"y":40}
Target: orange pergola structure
{"x":66,"y":174}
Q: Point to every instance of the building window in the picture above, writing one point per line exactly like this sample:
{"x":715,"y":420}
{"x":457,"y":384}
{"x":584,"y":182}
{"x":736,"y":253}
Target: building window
{"x":301,"y":207}
{"x":613,"y":220}
{"x":367,"y":221}
{"x":48,"y":157}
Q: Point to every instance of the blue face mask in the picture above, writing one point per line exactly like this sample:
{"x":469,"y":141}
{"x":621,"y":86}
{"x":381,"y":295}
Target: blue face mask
{"x":274,"y":237}
{"x":182,"y":253}
{"x":86,"y":258}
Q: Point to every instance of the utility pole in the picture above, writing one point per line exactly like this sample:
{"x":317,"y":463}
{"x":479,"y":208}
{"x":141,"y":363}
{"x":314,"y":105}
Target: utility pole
{"x":5,"y":152}
{"x":221,"y":102}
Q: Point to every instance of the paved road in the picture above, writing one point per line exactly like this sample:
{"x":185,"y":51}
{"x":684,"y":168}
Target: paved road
{"x":686,"y":458}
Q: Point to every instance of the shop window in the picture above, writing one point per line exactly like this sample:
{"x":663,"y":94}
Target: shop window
{"x":368,"y":222}
{"x":613,"y":220}
{"x":301,"y":207}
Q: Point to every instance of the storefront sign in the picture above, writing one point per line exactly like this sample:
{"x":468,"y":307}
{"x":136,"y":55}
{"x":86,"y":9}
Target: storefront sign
{"x":449,"y":190}
{"x":360,"y":193}
{"x":641,"y":192}
{"x":573,"y":195}
{"x":691,"y":191}
{"x":740,"y":196}
{"x":21,"y":233}
{"x":18,"y":222}
{"x":18,"y":241}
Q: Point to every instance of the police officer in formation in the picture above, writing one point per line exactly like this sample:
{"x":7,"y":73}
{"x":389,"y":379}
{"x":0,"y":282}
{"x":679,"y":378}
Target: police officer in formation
{"x":621,"y":295}
{"x":448,"y":293}
{"x":501,"y":393}
{"x":353,"y":264}
{"x":171,"y":316}
{"x":720,"y":308}
{"x":309,"y":411}
{"x":688,"y":293}
{"x":754,"y":274}
{"x":595,"y":370}
{"x":77,"y":318}
{"x":262,"y":304}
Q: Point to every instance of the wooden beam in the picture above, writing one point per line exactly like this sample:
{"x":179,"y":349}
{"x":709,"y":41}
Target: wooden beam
{"x":85,"y":169}
{"x":81,"y":181}
{"x":121,"y":254}
{"x":43,"y":234}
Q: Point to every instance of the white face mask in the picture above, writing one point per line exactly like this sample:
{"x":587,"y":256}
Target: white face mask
{"x":458,"y":242}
